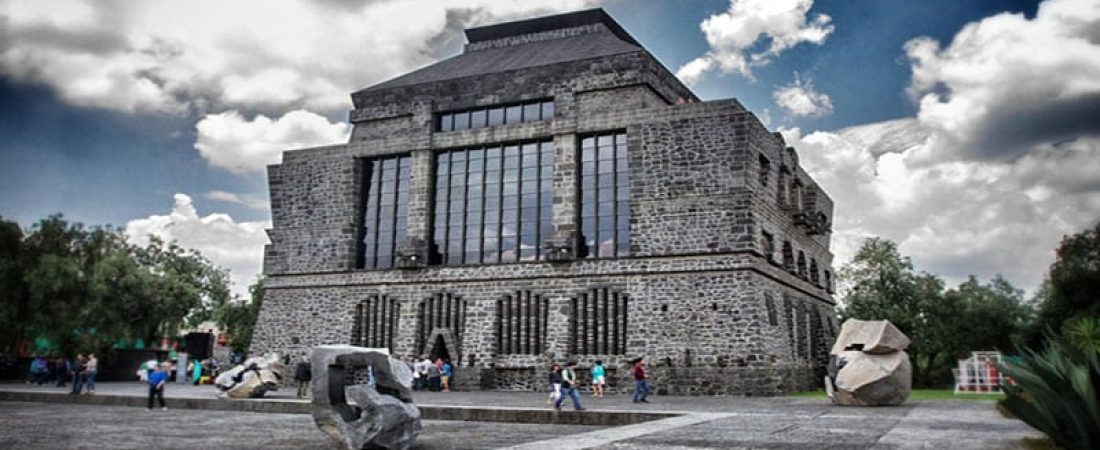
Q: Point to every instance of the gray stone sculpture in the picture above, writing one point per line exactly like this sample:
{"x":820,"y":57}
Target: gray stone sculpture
{"x":868,"y":365}
{"x":383,"y":414}
{"x":253,"y":378}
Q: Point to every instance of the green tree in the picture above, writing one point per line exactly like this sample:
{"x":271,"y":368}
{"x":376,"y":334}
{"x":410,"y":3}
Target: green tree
{"x":881,"y":284}
{"x":87,"y":288}
{"x":1072,"y":287}
{"x":992,"y":316}
{"x":239,"y":318}
{"x":942,"y":326}
{"x":14,"y":308}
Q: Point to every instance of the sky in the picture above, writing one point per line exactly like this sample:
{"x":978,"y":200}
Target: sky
{"x":967,"y":132}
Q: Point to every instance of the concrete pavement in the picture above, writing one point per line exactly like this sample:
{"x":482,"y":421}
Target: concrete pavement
{"x":611,"y":422}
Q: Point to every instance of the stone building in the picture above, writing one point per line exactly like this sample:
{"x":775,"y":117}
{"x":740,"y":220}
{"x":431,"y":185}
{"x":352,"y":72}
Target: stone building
{"x":553,"y":193}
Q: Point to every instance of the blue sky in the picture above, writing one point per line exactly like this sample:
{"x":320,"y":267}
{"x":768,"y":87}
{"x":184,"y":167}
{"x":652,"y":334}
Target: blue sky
{"x":921,"y":119}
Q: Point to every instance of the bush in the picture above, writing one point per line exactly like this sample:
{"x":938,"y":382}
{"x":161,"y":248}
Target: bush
{"x":1056,"y":391}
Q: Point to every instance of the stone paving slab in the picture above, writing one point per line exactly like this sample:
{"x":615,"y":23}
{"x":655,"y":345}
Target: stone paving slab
{"x":68,"y":426}
{"x":688,"y":422}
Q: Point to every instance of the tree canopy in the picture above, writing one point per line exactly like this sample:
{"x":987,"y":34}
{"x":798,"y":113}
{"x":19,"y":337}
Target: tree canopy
{"x":85,"y":289}
{"x":1072,"y":287}
{"x":880,"y":283}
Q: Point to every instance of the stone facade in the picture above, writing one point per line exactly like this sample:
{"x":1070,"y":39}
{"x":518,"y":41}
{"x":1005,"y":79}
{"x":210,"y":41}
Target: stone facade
{"x":727,"y":289}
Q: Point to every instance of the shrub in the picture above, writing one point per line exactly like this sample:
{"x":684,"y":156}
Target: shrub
{"x":1056,"y":391}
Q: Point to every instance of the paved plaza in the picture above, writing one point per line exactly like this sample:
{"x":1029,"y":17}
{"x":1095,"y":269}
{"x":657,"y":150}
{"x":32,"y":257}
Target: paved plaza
{"x":689,"y":423}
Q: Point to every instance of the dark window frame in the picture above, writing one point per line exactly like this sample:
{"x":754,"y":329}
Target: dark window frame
{"x":384,"y":210}
{"x":603,"y":176}
{"x":513,"y":180}
{"x":543,"y":109}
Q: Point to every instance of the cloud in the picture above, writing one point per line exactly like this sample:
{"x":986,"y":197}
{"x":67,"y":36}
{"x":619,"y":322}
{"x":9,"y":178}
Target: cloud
{"x":800,"y":99}
{"x":1006,"y":84}
{"x":751,"y":33}
{"x":254,"y":55}
{"x":954,"y":217}
{"x":229,"y":141}
{"x":957,"y":198}
{"x":244,"y":200}
{"x":238,"y":247}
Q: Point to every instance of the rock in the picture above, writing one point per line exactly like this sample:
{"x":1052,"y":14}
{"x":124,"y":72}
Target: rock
{"x":877,"y":337}
{"x":253,"y":378}
{"x":868,"y":365}
{"x":380,"y":416}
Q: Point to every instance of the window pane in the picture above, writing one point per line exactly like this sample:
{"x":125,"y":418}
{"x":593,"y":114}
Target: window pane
{"x":446,"y":122}
{"x":513,"y":114}
{"x":462,"y":120}
{"x":496,"y":116}
{"x":547,"y":110}
{"x":606,"y":153}
{"x":531,"y":112}
{"x":477,"y":118}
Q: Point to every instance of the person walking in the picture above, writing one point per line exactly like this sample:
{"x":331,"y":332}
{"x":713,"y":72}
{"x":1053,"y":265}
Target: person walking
{"x":304,"y":374}
{"x":156,"y":387}
{"x":553,"y":381}
{"x":599,"y":378}
{"x":569,"y":387}
{"x":641,"y":387}
{"x":78,"y":374}
{"x":91,"y":368}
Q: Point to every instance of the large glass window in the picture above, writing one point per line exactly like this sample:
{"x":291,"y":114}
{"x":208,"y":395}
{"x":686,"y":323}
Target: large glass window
{"x":496,"y":115}
{"x":385,"y":210}
{"x":493,"y":204}
{"x":605,"y":196}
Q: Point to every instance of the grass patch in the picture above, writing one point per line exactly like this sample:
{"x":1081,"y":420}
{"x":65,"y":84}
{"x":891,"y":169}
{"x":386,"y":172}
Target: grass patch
{"x":918,"y":394}
{"x":1039,"y":443}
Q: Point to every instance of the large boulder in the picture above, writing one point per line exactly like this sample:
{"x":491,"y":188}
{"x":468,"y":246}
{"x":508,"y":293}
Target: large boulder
{"x":875,"y":337}
{"x":868,"y":365}
{"x":253,"y":378}
{"x":381,"y":414}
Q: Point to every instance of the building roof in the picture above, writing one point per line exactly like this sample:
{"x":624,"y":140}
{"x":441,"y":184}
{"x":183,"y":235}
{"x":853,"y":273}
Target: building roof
{"x":527,"y":54}
{"x":548,"y":23}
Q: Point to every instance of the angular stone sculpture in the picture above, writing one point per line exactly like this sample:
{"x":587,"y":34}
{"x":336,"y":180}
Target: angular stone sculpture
{"x":868,"y":365}
{"x":383,"y":414}
{"x":253,"y":378}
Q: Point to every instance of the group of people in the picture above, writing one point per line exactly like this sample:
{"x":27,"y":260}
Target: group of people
{"x":81,"y":370}
{"x":434,"y":376}
{"x":564,"y":383}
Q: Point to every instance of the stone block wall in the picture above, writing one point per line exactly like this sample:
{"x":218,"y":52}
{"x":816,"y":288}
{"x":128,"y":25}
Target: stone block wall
{"x":710,"y":305}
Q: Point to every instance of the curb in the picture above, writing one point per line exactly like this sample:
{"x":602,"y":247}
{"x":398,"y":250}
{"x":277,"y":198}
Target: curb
{"x":427,"y":412}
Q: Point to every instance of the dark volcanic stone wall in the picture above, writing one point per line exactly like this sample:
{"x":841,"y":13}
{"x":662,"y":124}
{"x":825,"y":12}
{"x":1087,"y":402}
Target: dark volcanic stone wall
{"x":709,"y":302}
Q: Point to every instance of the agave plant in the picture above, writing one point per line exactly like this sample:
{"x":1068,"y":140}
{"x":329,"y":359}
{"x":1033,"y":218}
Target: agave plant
{"x":1057,"y":391}
{"x":1083,"y":333}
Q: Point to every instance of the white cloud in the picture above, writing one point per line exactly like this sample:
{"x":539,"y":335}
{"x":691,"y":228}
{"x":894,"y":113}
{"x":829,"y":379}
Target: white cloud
{"x":171,"y":56}
{"x":984,"y":179}
{"x":245,"y":200}
{"x":735,"y":36}
{"x":800,"y":99}
{"x":238,"y":247}
{"x":231,"y":142}
{"x":1006,"y":83}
